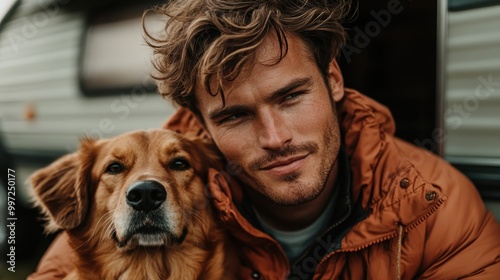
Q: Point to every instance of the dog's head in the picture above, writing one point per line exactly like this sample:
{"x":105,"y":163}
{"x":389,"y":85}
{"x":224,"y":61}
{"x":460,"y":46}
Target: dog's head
{"x":144,"y":188}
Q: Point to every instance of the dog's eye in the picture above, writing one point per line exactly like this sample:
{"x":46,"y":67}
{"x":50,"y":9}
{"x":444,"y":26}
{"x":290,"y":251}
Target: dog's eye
{"x":114,"y":168}
{"x":179,"y":164}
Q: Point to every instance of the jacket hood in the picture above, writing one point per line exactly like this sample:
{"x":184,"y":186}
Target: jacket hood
{"x":365,"y":124}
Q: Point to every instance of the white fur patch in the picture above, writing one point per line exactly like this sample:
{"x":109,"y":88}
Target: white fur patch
{"x":150,"y":240}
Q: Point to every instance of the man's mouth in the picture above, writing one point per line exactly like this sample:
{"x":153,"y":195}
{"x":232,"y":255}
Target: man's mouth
{"x":285,"y":166}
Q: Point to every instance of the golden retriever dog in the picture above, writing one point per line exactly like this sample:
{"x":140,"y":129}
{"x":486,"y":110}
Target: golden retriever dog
{"x":136,"y":207}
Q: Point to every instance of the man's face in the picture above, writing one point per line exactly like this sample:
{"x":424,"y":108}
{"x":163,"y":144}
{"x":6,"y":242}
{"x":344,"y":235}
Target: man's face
{"x":278,"y":124}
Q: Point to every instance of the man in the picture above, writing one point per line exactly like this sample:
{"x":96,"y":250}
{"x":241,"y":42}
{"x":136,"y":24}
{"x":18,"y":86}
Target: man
{"x":316,"y":184}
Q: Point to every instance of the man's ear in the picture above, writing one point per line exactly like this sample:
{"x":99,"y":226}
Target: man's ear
{"x":61,"y":189}
{"x":336,"y":81}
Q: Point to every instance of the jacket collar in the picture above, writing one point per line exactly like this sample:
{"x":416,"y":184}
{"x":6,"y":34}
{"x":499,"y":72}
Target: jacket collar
{"x":385,"y":182}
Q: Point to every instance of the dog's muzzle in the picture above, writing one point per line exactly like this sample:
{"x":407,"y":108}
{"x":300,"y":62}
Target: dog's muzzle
{"x":146,"y":225}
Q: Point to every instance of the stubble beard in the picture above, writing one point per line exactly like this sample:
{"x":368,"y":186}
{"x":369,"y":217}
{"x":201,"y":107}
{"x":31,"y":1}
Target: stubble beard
{"x":297,"y":191}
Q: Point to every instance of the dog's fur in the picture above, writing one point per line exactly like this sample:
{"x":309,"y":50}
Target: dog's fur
{"x":84,"y":193}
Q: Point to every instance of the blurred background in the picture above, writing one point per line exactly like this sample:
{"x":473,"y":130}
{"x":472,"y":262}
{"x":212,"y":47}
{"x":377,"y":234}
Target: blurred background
{"x":73,"y":68}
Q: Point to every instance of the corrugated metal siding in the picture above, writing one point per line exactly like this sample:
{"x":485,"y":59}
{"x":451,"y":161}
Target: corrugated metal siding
{"x":472,"y":98}
{"x":39,"y":52}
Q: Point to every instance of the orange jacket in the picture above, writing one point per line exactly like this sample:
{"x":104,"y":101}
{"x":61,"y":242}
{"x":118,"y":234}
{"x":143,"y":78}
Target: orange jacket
{"x":407,"y":214}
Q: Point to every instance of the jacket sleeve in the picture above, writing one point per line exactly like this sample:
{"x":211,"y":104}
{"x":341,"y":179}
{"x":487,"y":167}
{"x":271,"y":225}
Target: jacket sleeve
{"x":463,"y":237}
{"x":56,"y":262}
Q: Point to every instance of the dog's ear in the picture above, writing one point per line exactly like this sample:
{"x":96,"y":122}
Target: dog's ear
{"x":61,"y":189}
{"x":207,"y":153}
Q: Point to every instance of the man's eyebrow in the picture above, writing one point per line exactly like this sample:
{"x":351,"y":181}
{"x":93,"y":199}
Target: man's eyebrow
{"x":295,"y":83}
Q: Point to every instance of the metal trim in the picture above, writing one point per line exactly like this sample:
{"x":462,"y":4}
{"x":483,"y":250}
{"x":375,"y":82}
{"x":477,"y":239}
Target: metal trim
{"x":441,"y":59}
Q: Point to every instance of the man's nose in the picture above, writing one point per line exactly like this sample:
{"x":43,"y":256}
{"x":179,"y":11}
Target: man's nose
{"x":273,"y":131}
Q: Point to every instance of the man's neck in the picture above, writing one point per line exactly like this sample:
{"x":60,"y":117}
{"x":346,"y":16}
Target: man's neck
{"x":291,"y":218}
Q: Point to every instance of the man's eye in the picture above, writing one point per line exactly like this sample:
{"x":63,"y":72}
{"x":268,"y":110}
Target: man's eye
{"x":179,"y":164}
{"x":114,"y":168}
{"x":231,"y":118}
{"x":293,"y":96}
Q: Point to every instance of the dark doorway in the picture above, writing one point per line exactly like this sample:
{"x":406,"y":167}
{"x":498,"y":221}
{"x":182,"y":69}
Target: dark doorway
{"x":391,"y":57}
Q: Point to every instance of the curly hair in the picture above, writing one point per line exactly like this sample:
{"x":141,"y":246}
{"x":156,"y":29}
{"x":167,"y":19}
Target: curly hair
{"x":208,"y":42}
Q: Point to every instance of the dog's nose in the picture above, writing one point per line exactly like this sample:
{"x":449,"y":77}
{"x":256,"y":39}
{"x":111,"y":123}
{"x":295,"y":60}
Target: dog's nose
{"x":146,"y":195}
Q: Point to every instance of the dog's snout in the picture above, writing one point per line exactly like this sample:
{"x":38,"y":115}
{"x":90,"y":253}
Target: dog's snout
{"x":146,"y":195}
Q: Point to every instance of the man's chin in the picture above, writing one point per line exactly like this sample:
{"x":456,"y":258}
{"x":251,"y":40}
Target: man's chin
{"x":289,"y":201}
{"x":291,"y":178}
{"x":286,"y":190}
{"x":291,"y":193}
